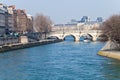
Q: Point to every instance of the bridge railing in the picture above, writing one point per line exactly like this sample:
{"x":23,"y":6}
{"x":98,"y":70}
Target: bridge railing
{"x":76,"y":31}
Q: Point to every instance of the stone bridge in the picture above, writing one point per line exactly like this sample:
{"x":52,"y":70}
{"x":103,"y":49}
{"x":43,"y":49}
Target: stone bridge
{"x":76,"y":32}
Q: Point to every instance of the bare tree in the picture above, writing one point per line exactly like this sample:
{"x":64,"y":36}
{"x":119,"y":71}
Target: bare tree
{"x":42,"y":23}
{"x":111,"y":27}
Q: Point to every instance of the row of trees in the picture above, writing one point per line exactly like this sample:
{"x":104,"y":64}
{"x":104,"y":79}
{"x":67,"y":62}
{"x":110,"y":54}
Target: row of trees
{"x":111,"y":27}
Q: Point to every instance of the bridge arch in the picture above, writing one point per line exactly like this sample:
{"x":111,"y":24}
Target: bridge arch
{"x":86,"y":36}
{"x":94,"y":34}
{"x":69,"y":35}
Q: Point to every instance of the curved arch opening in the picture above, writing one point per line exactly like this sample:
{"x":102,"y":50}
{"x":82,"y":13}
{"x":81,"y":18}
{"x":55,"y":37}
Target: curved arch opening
{"x":69,"y":38}
{"x":86,"y":38}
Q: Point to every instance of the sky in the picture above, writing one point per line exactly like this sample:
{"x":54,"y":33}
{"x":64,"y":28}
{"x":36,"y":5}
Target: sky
{"x":62,"y":11}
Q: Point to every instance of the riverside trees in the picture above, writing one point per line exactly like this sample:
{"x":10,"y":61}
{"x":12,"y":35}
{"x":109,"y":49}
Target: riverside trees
{"x":111,"y":27}
{"x":42,"y":23}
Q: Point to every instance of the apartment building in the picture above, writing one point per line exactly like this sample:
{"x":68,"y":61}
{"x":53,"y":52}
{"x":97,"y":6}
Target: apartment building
{"x":12,"y":19}
{"x":29,"y":23}
{"x":20,"y":20}
{"x":3,"y":19}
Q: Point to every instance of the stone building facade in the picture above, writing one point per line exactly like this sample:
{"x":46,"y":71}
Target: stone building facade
{"x":3,"y":19}
{"x":14,"y":20}
{"x":20,"y":20}
{"x":10,"y":18}
{"x":29,"y":23}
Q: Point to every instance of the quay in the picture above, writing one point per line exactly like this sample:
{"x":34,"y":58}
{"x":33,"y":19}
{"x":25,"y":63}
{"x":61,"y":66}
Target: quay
{"x":110,"y":54}
{"x":16,"y":46}
{"x":110,"y":50}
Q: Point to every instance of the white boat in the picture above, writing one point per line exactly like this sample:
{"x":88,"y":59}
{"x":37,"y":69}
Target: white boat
{"x":87,"y":40}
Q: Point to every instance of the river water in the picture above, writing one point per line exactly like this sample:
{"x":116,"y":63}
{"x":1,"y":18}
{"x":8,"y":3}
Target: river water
{"x":66,"y":60}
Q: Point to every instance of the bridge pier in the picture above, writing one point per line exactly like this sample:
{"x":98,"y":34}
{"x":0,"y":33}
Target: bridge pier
{"x":77,"y":38}
{"x":94,"y":38}
{"x":76,"y":34}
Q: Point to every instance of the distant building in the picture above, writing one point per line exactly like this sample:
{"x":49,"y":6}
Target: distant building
{"x":6,"y":19}
{"x":85,"y":19}
{"x":85,"y":23}
{"x":20,"y":20}
{"x":99,"y":19}
{"x":11,"y":8}
{"x":10,"y":18}
{"x":3,"y":19}
{"x":2,"y":22}
{"x":91,"y":25}
{"x":29,"y":23}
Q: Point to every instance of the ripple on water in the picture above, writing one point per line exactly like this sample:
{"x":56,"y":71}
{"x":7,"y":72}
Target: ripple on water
{"x":60,"y":61}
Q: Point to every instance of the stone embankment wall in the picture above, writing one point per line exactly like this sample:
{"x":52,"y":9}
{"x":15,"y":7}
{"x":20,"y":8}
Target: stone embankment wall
{"x":8,"y":40}
{"x":110,"y":54}
{"x":111,"y":50}
{"x":26,"y":45}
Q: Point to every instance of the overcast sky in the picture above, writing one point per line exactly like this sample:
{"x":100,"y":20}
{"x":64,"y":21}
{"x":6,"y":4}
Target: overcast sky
{"x":62,"y":11}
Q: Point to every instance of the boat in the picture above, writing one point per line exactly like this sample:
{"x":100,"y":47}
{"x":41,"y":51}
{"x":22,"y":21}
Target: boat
{"x":87,"y":40}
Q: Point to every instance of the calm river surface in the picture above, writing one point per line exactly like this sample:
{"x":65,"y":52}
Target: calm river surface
{"x":60,"y":61}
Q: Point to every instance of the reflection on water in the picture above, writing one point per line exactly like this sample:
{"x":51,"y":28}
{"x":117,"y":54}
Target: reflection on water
{"x":66,"y":60}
